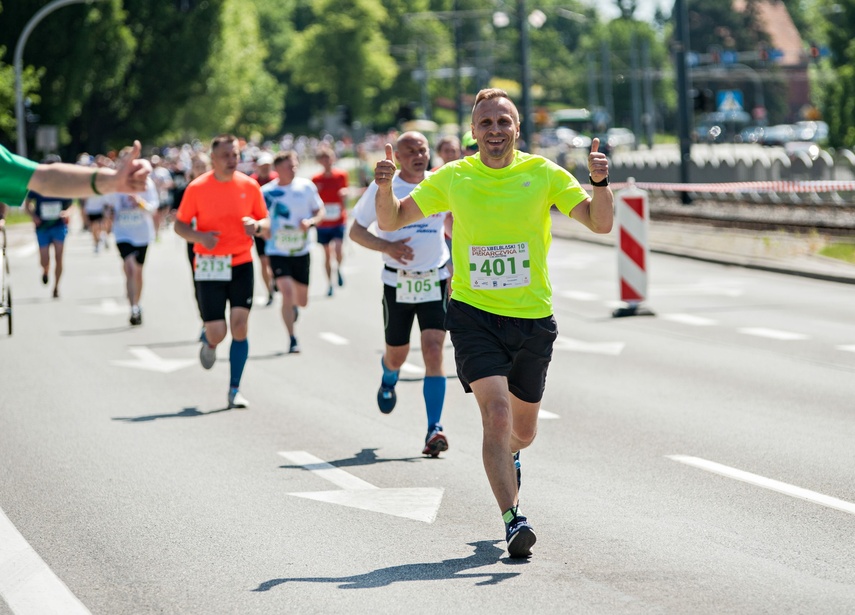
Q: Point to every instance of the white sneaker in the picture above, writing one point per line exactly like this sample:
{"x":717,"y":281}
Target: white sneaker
{"x":207,"y":356}
{"x":236,"y":400}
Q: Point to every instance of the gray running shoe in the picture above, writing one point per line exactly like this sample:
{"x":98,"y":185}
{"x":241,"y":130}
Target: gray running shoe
{"x":236,"y":400}
{"x":207,"y":356}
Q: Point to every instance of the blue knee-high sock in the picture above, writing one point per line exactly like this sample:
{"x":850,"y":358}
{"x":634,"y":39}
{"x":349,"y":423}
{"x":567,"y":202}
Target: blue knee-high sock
{"x":390,"y":378}
{"x":238,"y":354}
{"x":434,"y":392}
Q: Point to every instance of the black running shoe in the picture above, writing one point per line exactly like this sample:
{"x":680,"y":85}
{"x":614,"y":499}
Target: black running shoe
{"x":520,"y":536}
{"x":386,"y":399}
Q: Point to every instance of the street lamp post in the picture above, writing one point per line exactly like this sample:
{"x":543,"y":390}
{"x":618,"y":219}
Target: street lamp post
{"x":18,"y":62}
{"x":525,"y":119}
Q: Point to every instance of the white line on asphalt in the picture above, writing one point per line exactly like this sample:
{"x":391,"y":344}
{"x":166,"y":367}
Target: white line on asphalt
{"x":25,"y":250}
{"x":766,"y":483}
{"x":775,"y":334}
{"x":332,"y":338}
{"x":336,"y":476}
{"x":578,"y":295}
{"x":546,"y":414}
{"x":413,"y":369}
{"x":689,"y":319}
{"x":847,"y":348}
{"x":27,"y":585}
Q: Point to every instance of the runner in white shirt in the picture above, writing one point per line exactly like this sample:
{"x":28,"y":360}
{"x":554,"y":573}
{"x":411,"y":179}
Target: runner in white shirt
{"x":415,"y":278}
{"x":294,"y":206}
{"x":133,"y":228}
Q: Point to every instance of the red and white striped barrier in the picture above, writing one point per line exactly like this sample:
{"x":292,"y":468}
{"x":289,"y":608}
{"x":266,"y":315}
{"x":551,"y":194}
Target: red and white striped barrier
{"x":633,"y":215}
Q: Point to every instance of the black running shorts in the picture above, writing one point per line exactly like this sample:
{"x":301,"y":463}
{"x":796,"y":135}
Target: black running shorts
{"x":398,"y":317}
{"x":295,"y":267}
{"x":489,"y":345}
{"x":126,"y":249}
{"x":213,"y":294}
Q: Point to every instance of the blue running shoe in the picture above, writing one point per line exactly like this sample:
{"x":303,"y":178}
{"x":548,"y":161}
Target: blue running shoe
{"x":386,"y":399}
{"x":520,"y":536}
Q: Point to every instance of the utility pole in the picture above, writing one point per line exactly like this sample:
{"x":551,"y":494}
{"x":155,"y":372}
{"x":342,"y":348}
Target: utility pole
{"x":19,"y":61}
{"x":525,"y":119}
{"x":684,"y":118}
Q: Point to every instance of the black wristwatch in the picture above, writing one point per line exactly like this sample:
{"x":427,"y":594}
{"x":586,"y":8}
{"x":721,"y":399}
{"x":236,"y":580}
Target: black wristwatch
{"x":599,"y":184}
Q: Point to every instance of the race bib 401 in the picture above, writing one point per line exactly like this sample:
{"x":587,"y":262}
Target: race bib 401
{"x":502,"y":266}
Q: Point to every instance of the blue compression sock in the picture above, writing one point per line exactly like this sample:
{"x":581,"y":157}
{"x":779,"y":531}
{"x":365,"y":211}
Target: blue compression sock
{"x":238,"y":354}
{"x":434,"y":392}
{"x":390,"y":378}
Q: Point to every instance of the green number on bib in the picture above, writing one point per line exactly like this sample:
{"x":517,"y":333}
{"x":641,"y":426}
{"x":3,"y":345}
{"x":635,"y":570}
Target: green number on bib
{"x":485,"y":268}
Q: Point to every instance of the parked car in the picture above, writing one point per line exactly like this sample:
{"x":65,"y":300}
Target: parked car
{"x":780,"y":134}
{"x":811,"y":131}
{"x":620,"y":137}
{"x":752,"y":134}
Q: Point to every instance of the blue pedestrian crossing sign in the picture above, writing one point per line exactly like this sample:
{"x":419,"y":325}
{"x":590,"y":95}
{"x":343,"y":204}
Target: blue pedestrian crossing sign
{"x":729,"y":100}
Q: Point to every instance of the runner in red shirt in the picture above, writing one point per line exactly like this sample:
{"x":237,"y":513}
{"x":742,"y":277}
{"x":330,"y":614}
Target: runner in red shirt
{"x":332,"y":186}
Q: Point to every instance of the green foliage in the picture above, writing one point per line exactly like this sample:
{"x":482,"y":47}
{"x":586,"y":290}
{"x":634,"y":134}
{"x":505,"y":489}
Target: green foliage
{"x":343,"y":55}
{"x":29,"y":88}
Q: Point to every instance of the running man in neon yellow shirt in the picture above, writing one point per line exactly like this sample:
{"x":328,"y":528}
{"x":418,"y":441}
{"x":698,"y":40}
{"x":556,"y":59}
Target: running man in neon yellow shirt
{"x":500,"y":315}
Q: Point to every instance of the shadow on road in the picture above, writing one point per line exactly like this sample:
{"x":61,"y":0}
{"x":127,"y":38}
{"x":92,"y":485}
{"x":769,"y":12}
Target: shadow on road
{"x":107,"y":331}
{"x":365,"y":457}
{"x":184,"y":414}
{"x":486,"y":553}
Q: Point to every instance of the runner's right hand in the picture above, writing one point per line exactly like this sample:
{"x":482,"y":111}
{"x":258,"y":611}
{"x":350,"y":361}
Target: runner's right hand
{"x":400,"y":251}
{"x":384,"y":170}
{"x":210,"y":239}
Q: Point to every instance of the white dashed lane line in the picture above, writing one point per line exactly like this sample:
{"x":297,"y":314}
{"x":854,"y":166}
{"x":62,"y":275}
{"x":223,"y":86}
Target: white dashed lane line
{"x":689,"y":319}
{"x":334,"y":339}
{"x":765,"y":483}
{"x":775,"y":334}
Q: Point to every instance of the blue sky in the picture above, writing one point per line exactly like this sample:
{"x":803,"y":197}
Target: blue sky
{"x":645,"y":11}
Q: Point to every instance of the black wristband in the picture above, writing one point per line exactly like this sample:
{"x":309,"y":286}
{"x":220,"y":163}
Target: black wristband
{"x":599,"y":184}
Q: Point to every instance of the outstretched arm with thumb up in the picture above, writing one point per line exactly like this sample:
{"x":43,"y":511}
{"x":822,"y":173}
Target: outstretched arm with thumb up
{"x":392,"y":213}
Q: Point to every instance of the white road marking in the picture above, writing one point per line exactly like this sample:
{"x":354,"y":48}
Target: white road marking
{"x":25,"y":250}
{"x":413,"y":369}
{"x":775,"y":334}
{"x":27,"y":585}
{"x":766,"y":483}
{"x":847,"y":348}
{"x":578,"y":295}
{"x":609,"y":348}
{"x":689,"y":319}
{"x":149,"y":360}
{"x":546,"y":414}
{"x":108,"y":307}
{"x":419,"y":504}
{"x":704,"y":289}
{"x":332,"y":338}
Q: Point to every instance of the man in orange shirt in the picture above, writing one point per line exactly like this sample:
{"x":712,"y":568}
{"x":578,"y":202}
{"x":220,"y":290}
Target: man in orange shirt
{"x":332,"y":186}
{"x":229,"y":211}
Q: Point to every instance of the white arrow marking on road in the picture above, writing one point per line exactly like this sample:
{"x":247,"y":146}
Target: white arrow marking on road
{"x":766,"y":483}
{"x":578,"y":295}
{"x":148,"y":359}
{"x":420,"y":504}
{"x":332,"y":338}
{"x":108,"y":307}
{"x":545,"y":414}
{"x":27,"y":585}
{"x":610,"y":348}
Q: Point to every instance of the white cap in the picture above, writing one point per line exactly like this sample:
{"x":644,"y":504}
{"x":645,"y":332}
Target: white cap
{"x":264,"y":159}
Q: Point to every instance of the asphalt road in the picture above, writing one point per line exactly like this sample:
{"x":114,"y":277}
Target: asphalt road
{"x":698,"y":461}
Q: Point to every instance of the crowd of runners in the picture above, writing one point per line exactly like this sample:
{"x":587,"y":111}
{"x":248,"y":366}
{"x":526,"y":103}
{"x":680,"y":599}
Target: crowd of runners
{"x":485,"y":208}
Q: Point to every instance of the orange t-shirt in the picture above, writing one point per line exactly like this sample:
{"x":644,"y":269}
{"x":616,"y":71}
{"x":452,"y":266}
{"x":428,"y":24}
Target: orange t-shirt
{"x":221,"y":206}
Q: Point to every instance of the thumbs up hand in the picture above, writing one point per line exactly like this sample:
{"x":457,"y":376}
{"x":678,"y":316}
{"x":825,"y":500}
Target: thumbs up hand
{"x":598,"y":164}
{"x":384,"y":170}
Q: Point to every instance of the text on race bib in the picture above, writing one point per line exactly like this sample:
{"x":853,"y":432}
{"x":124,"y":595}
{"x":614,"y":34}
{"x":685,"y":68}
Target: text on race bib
{"x":130,"y":217}
{"x":209,"y":267}
{"x":289,"y":239}
{"x":418,"y":286}
{"x":332,"y":211}
{"x":51,"y":210}
{"x":502,"y":266}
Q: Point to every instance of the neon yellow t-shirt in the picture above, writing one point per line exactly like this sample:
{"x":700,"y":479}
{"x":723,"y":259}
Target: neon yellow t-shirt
{"x":502,"y":229}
